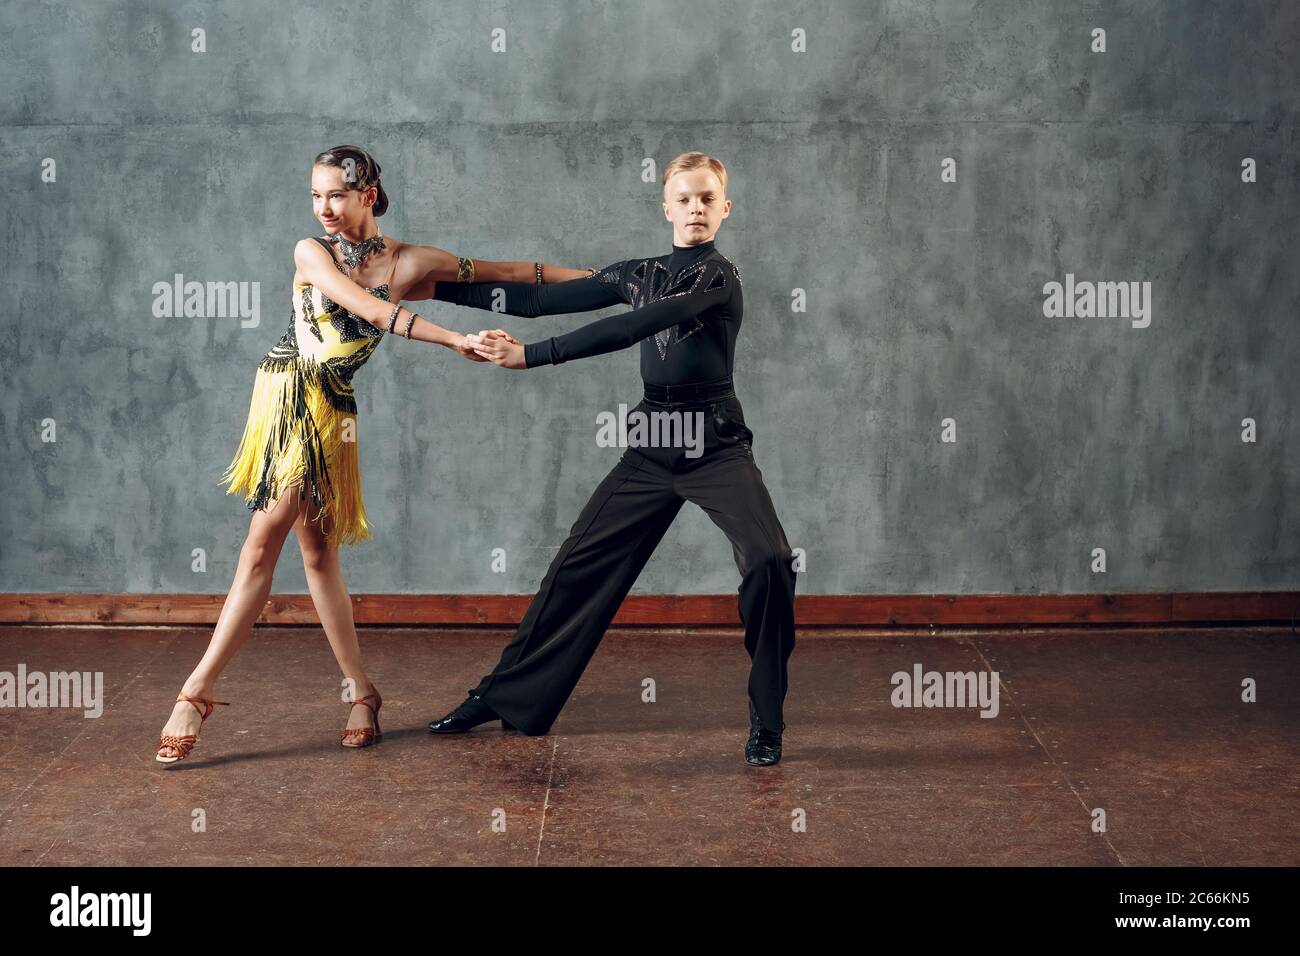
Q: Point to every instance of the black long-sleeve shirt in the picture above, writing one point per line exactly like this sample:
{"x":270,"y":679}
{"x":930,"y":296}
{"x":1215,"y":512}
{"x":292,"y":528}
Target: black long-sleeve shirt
{"x":687,"y":308}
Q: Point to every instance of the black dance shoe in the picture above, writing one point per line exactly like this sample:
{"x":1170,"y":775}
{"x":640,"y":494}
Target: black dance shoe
{"x":764,"y":746}
{"x":468,"y":715}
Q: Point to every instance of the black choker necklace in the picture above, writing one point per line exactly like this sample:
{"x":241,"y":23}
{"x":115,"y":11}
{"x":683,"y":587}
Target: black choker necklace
{"x":355,"y":252}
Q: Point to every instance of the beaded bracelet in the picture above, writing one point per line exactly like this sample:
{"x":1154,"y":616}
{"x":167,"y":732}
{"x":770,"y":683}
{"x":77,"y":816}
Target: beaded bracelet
{"x":410,"y":322}
{"x":392,"y":319}
{"x":538,"y":267}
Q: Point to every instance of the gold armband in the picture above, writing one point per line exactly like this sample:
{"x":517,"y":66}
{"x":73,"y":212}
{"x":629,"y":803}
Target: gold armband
{"x":464,"y":269}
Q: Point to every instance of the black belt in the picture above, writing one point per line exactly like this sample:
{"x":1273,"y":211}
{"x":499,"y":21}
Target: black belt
{"x":690,"y":393}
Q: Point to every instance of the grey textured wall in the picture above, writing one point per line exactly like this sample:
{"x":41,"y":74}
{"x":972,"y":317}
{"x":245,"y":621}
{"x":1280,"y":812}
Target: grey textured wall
{"x":924,"y":297}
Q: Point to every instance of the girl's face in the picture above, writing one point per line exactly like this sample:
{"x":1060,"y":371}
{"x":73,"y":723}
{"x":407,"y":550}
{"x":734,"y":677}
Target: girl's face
{"x":338,"y":208}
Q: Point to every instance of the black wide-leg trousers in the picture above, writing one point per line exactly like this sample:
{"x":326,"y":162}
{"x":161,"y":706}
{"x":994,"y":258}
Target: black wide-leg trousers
{"x":609,"y":544}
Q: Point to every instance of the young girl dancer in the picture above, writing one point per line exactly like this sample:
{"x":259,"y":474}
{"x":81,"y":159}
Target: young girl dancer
{"x":297,"y":465}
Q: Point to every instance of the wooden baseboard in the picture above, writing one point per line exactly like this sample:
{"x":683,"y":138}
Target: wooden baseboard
{"x":675,"y":610}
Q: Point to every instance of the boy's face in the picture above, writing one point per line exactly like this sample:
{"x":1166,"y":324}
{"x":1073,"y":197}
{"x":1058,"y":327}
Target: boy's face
{"x":695,"y":204}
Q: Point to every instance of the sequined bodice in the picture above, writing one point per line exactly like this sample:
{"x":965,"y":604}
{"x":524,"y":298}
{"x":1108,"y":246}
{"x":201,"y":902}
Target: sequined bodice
{"x":322,"y":330}
{"x":326,"y":340}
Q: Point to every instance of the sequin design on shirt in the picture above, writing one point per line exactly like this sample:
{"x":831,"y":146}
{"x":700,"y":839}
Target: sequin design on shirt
{"x":650,"y":281}
{"x":611,"y":274}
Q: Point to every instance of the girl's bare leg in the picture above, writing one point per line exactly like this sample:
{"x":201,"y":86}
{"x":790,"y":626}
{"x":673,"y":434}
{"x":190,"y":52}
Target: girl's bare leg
{"x":320,"y":559}
{"x":244,"y":604}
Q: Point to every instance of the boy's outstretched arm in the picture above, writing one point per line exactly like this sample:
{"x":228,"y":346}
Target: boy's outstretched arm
{"x":711,"y":287}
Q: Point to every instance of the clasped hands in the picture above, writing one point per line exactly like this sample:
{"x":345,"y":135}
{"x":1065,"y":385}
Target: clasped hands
{"x":493,"y":345}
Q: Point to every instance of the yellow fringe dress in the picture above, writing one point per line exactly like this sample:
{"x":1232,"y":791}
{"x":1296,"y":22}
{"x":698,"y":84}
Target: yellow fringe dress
{"x":302,"y":420}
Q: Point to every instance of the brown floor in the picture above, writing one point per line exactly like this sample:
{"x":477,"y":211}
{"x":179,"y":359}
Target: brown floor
{"x":1147,"y":725}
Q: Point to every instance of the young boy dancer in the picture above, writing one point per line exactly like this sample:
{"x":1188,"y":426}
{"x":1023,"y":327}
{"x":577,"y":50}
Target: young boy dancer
{"x":686,"y":315}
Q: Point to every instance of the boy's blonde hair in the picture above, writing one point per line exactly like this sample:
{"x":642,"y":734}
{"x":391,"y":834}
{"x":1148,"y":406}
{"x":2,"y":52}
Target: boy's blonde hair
{"x":695,"y":161}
